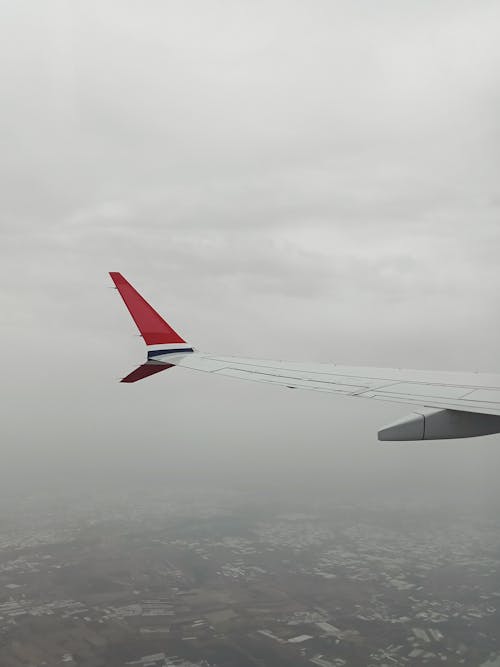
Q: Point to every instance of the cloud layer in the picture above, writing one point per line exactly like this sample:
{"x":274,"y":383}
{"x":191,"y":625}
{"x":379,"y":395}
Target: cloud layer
{"x":281,"y":179}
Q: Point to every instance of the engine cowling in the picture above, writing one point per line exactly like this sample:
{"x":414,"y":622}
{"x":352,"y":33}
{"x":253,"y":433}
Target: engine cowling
{"x":440,"y":425}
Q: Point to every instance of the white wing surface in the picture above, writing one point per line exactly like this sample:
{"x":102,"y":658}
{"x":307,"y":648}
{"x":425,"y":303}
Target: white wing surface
{"x":463,"y":404}
{"x":456,"y":391}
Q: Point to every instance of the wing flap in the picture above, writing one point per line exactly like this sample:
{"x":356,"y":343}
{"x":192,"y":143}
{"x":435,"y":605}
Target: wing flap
{"x":291,"y":381}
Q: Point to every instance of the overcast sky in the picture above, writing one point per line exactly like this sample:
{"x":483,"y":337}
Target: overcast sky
{"x":289,"y":179}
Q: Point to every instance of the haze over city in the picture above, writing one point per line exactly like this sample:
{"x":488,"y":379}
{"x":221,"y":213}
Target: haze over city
{"x":306,"y":181}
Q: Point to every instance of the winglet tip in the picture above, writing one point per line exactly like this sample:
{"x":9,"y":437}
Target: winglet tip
{"x":117,"y":277}
{"x":153,"y":328}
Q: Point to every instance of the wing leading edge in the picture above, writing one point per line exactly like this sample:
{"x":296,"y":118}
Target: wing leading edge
{"x":455,"y":404}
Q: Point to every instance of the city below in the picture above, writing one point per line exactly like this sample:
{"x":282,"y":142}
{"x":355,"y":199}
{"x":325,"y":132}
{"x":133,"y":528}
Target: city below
{"x":219,"y":579}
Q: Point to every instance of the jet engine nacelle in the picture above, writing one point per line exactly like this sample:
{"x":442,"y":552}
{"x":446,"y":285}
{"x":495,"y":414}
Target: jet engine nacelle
{"x":440,"y":425}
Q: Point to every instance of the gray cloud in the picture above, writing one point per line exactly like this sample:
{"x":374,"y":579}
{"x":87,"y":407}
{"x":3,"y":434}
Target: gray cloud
{"x":281,"y":179}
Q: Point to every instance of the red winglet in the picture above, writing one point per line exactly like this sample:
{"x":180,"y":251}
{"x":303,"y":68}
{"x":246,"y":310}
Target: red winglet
{"x":145,"y":371}
{"x":152,"y":326}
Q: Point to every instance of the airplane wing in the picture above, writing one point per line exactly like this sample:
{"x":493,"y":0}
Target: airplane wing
{"x":448,"y":405}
